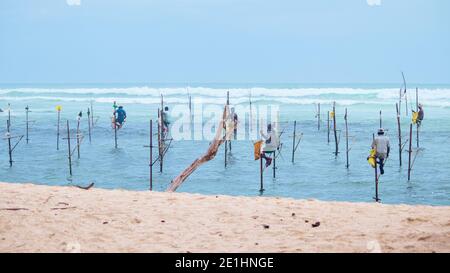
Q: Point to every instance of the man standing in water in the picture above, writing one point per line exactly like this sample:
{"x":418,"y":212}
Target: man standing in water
{"x":382,"y":147}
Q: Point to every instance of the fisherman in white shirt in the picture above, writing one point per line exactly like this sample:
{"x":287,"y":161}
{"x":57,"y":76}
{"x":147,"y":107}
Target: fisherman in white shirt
{"x":271,"y":143}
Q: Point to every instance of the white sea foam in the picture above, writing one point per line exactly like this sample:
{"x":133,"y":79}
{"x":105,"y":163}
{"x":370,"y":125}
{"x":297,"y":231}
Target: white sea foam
{"x":439,"y":97}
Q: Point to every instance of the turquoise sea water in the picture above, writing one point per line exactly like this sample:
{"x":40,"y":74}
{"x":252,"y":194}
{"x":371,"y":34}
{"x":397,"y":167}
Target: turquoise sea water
{"x":316,"y":173}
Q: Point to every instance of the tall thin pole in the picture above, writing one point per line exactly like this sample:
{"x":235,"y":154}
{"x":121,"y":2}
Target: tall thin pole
{"x":160,"y":129}
{"x":251,"y":114}
{"x":410,"y":152}
{"x":26,"y":114}
{"x":69,"y":149}
{"x":58,"y":108}
{"x":8,"y":129}
{"x":8,"y":124}
{"x":334,"y":129}
{"x":381,"y":120}
{"x":151,"y":155}
{"x":225,"y":127}
{"x":328,"y":126}
{"x":406,"y":95}
{"x":346,"y":137}
{"x":274,"y":167}
{"x":115,"y":133}
{"x":406,"y":103}
{"x":400,"y":148}
{"x":376,"y":181}
{"x":78,"y":135}
{"x":226,"y":146}
{"x":89,"y":124}
{"x":293,"y":141}
{"x":417,"y":124}
{"x":161,"y":138}
{"x":92,"y":114}
{"x":318,"y":117}
{"x":261,"y":175}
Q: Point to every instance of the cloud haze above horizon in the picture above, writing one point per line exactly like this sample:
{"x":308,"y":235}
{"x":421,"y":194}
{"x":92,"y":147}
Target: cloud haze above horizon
{"x":225,"y":41}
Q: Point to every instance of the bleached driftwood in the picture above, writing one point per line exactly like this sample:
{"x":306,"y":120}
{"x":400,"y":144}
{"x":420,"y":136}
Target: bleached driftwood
{"x":219,"y":138}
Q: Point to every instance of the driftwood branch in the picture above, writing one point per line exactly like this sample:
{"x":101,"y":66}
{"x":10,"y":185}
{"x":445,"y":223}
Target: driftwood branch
{"x":13,"y":209}
{"x":219,"y":138}
{"x":85,"y":187}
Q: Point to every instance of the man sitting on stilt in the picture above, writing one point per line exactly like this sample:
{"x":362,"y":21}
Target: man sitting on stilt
{"x":270,"y":144}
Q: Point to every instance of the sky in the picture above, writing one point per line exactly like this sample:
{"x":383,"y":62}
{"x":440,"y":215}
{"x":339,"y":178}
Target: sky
{"x":224,"y":41}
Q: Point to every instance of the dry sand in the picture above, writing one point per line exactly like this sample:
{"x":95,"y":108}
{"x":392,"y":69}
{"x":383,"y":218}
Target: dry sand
{"x":66,"y":219}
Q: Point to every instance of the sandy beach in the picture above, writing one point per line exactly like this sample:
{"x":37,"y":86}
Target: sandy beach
{"x":36,"y":218}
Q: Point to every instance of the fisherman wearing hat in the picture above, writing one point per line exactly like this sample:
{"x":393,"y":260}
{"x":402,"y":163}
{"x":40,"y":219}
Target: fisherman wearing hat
{"x":382,"y":147}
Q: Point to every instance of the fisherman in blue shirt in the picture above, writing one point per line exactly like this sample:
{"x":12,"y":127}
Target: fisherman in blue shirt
{"x":121,"y":116}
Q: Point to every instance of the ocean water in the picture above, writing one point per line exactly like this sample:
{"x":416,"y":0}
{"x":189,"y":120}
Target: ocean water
{"x":316,"y":173}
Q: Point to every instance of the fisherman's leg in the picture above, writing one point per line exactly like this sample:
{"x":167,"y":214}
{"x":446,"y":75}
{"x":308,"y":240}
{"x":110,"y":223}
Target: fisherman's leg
{"x":268,"y":159}
{"x":166,"y":126}
{"x":381,"y":165}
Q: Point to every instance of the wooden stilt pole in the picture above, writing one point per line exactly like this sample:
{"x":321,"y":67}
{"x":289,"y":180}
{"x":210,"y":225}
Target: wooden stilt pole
{"x":381,"y":120}
{"x":318,"y":117}
{"x":69,"y":149}
{"x":274,"y":167}
{"x":406,"y":102}
{"x":92,"y":115}
{"x":58,"y":108}
{"x":89,"y":124}
{"x":161,"y":136}
{"x":261,"y":175}
{"x":8,"y":125}
{"x":160,"y":139}
{"x":227,"y":142}
{"x":115,"y":135}
{"x":406,"y":95}
{"x":376,"y":182}
{"x":228,"y":104}
{"x":335,"y":130}
{"x":151,"y":155}
{"x":251,"y":113}
{"x":293,"y":141}
{"x":328,"y":126}
{"x":410,"y":152}
{"x":27,"y":110}
{"x":346,"y":137}
{"x":78,"y":135}
{"x":8,"y":129}
{"x":225,"y":146}
{"x":400,"y":146}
